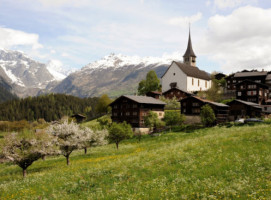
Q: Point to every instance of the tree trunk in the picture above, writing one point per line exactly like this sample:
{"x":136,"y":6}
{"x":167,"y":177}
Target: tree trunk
{"x":43,"y":157}
{"x":24,"y":173}
{"x":117,"y":145}
{"x":68,"y":159}
{"x":86,"y":150}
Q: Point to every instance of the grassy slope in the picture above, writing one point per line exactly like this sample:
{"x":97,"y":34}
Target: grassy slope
{"x":215,"y":163}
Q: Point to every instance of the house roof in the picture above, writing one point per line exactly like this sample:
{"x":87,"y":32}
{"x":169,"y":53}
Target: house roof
{"x":155,"y":92}
{"x":189,"y":51}
{"x":78,"y":115}
{"x":255,"y":105}
{"x":207,"y":101}
{"x":191,"y":71}
{"x":179,"y":90}
{"x":142,"y":99}
{"x":253,"y":82}
{"x":250,"y":74}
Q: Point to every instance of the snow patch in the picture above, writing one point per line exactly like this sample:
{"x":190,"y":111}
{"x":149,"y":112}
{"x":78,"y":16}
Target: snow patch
{"x":12,"y":77}
{"x":55,"y":68}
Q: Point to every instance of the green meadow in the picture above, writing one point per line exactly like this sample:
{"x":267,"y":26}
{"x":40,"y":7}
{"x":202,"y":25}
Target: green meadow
{"x":211,"y":163}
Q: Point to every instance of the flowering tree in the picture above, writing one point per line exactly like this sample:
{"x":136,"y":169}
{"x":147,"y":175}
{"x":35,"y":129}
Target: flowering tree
{"x":69,"y":137}
{"x":93,"y":138}
{"x":25,"y":148}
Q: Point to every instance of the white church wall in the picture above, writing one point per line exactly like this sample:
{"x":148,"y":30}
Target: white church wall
{"x":195,"y":84}
{"x":174,"y":74}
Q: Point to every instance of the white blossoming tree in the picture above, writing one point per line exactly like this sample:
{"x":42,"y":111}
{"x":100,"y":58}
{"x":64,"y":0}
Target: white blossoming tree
{"x":25,"y":148}
{"x":94,"y":138}
{"x":69,"y":137}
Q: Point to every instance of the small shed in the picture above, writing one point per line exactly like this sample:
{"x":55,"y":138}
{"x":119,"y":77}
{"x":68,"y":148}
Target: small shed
{"x":79,"y":117}
{"x":192,"y":106}
{"x":241,"y":109}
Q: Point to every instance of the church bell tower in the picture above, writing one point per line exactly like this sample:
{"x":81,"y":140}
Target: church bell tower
{"x":189,"y":57}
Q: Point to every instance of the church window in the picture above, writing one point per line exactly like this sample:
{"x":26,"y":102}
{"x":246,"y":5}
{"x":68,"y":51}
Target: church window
{"x":192,"y":81}
{"x":206,"y":84}
{"x":198,"y":82}
{"x":173,"y":74}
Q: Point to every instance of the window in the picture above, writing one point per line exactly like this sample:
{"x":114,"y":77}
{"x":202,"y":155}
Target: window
{"x":184,"y":103}
{"x":184,"y":110}
{"x":115,"y":106}
{"x":173,"y":74}
{"x":134,"y":113}
{"x":198,"y":82}
{"x":205,"y":84}
{"x":127,"y":113}
{"x":115,"y":114}
{"x":251,"y":86}
{"x":239,"y":94}
{"x":195,"y":110}
{"x":144,"y":114}
{"x":228,"y":81}
{"x":160,"y":114}
{"x":228,"y":86}
{"x":171,"y":93}
{"x":178,"y":92}
{"x":242,"y":87}
{"x":192,"y":81}
{"x":195,"y":104}
{"x":258,"y":81}
{"x":260,"y":92}
{"x":234,"y":81}
{"x":134,"y":105}
{"x":252,"y":93}
{"x":251,"y":99}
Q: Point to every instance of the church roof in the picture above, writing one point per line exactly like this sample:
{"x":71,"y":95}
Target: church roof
{"x":192,"y":71}
{"x":189,"y":51}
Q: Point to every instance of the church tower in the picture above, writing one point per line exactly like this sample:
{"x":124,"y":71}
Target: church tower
{"x":189,"y":57}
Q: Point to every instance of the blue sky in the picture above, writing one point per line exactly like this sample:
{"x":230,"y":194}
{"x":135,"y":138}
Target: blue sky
{"x":227,"y":35}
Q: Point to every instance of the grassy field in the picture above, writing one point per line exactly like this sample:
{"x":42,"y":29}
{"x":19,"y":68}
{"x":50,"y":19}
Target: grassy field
{"x":214,"y":163}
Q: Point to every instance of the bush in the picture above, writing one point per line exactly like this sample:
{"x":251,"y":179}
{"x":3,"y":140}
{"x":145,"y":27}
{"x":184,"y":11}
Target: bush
{"x":207,"y":115}
{"x":173,"y":118}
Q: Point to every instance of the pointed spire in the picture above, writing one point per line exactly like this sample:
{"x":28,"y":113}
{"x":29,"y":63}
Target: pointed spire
{"x":189,"y":51}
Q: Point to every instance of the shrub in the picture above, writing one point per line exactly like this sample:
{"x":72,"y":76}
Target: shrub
{"x":173,"y":118}
{"x":207,"y":115}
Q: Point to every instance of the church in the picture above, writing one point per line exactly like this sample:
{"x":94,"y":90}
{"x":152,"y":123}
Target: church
{"x":186,"y":76}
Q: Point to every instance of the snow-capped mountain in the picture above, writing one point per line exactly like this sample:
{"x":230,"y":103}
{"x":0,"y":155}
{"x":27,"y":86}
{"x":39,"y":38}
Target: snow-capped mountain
{"x":114,"y":75}
{"x":27,"y":76}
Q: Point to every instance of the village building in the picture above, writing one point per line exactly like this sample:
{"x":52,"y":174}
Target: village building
{"x":177,"y":93}
{"x":154,"y":94}
{"x":191,"y":106}
{"x":243,"y":109}
{"x":79,"y":117}
{"x":133,"y":109}
{"x":256,"y":76}
{"x":252,"y":91}
{"x":186,"y":76}
{"x":219,"y":76}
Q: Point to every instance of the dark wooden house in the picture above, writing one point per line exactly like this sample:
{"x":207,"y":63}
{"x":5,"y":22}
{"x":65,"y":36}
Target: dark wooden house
{"x":254,"y":75}
{"x":252,"y":91}
{"x":242,"y":109}
{"x":154,"y":94}
{"x":192,"y":106}
{"x":219,"y":76}
{"x":133,"y":109}
{"x":176,"y":92}
{"x":79,"y":117}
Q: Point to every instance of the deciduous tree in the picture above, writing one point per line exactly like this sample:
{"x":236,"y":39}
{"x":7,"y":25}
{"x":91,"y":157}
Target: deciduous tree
{"x":207,"y":115}
{"x":152,"y":83}
{"x":119,"y":132}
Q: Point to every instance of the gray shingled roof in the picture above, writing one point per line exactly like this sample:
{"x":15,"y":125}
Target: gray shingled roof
{"x":248,"y":103}
{"x":211,"y":102}
{"x":249,"y":74}
{"x":144,"y":99}
{"x":193,"y":71}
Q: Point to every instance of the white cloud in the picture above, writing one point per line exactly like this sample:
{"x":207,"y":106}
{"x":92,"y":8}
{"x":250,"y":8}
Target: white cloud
{"x":183,"y":21}
{"x":223,"y":4}
{"x":239,"y":40}
{"x":11,"y":38}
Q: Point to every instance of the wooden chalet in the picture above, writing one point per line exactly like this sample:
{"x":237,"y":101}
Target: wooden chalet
{"x":252,"y":91}
{"x":219,"y":76}
{"x":133,"y":109}
{"x":176,"y":92}
{"x":154,"y":94}
{"x":254,"y":75}
{"x":192,"y":106}
{"x":242,"y":109}
{"x":79,"y":117}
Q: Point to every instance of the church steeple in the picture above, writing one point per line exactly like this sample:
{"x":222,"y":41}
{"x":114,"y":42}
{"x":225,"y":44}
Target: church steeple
{"x":189,"y":57}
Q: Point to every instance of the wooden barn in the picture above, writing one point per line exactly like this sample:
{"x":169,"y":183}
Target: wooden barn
{"x":176,"y":92}
{"x":79,"y":117}
{"x":242,"y":109}
{"x":252,"y":91}
{"x":154,"y":94}
{"x":192,"y":106}
{"x":133,"y":109}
